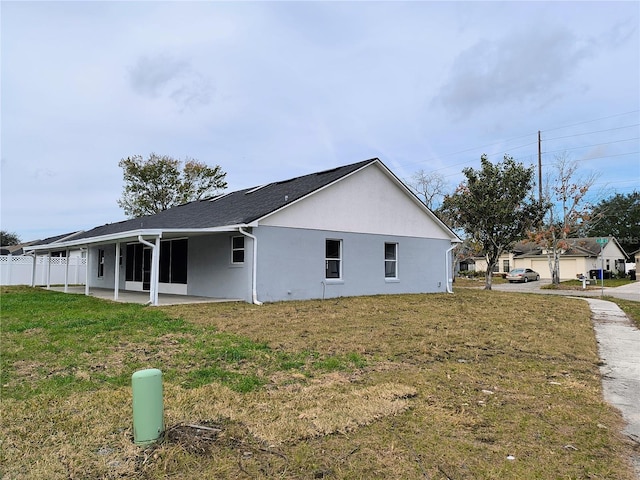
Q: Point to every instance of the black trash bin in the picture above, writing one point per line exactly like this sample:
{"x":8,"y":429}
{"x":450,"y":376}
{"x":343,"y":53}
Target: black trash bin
{"x":632,"y":275}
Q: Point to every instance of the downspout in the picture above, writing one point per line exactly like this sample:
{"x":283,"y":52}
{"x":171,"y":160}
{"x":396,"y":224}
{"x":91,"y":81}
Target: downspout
{"x":155,"y":252}
{"x":254,"y":273}
{"x":116,"y":281}
{"x":448,"y":267}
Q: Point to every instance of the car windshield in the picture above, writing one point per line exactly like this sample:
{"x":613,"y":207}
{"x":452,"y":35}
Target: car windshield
{"x":515,"y":271}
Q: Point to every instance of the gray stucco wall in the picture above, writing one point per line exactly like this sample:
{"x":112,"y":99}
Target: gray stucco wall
{"x":107,"y":280}
{"x":291,"y":264}
{"x":210,"y":271}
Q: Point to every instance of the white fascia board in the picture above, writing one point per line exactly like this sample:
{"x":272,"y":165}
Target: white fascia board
{"x":131,"y":235}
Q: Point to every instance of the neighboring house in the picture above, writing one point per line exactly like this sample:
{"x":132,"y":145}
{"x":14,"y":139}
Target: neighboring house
{"x":14,"y":249}
{"x":634,"y":259}
{"x":582,"y":257}
{"x":351,"y":230}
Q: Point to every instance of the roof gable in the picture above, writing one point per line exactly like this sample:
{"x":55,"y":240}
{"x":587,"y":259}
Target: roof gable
{"x":369,"y":200}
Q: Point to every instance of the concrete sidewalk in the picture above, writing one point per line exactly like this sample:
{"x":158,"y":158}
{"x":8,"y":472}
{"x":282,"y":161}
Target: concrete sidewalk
{"x":619,"y":349}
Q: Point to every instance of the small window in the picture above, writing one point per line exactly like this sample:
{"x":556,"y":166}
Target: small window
{"x":390,"y":260}
{"x":333,"y":259}
{"x":237,"y":249}
{"x":505,"y":266}
{"x":100,"y":262}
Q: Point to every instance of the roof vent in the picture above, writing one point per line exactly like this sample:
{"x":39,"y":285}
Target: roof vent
{"x":328,"y":171}
{"x":214,"y":199}
{"x":257,"y":188}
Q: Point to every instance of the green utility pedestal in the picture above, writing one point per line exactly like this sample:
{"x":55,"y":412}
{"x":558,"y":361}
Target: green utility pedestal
{"x":148,"y":414}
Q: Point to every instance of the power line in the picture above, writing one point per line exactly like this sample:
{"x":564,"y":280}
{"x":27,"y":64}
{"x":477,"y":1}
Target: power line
{"x":592,"y":145}
{"x":534,"y":134}
{"x":596,"y":158}
{"x":591,"y":121}
{"x":595,"y":131}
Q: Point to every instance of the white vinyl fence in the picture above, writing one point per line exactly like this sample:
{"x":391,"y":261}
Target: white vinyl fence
{"x":18,"y":270}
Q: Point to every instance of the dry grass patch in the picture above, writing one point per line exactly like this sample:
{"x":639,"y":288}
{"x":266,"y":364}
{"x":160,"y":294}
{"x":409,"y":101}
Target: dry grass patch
{"x":473,"y":385}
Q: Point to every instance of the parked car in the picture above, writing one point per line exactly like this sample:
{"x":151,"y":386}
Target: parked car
{"x":522,"y":275}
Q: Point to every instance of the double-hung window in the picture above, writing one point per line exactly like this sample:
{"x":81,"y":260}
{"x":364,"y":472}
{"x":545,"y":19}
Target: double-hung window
{"x":237,"y":250}
{"x":390,"y":261}
{"x":333,"y":259}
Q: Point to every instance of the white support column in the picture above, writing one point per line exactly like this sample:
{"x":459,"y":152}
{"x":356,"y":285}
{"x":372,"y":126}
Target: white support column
{"x":155,"y":272}
{"x":66,"y":272}
{"x":116,"y":281}
{"x":155,"y":268}
{"x":87,"y":270}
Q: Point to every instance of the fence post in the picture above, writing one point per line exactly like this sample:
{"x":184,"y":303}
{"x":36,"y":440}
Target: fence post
{"x":9,"y":267}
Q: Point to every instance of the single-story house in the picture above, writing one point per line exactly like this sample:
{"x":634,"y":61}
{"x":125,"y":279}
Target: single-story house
{"x":352,"y":230}
{"x":581,"y":257}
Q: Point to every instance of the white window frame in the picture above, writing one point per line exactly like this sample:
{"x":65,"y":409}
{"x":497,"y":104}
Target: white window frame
{"x":235,"y":249}
{"x":391,"y":260}
{"x":333,"y":259}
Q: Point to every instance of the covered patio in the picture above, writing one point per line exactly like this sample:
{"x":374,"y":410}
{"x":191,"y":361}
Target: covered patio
{"x":125,"y":296}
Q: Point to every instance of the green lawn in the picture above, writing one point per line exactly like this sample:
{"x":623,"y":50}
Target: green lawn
{"x":473,"y":385}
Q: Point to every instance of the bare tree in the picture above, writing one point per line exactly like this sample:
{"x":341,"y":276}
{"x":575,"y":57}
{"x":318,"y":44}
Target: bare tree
{"x":567,"y":210}
{"x":431,"y":187}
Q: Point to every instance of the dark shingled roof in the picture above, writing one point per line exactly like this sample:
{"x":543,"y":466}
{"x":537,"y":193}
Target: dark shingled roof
{"x":236,"y":208}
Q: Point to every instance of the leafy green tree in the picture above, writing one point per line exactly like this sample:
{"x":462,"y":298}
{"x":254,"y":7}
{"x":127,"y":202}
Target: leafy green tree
{"x":618,"y":216}
{"x":8,"y":238}
{"x":495,"y":207}
{"x":158,"y":183}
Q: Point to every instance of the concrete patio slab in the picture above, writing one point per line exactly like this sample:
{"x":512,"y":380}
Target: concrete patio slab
{"x":126,"y":296}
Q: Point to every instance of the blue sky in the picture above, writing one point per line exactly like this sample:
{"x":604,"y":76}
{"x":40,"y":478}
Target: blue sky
{"x":273,"y":90}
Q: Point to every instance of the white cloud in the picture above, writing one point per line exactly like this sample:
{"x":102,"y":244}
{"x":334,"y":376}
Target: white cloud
{"x":170,"y":77}
{"x":524,"y":67}
{"x":270,"y":90}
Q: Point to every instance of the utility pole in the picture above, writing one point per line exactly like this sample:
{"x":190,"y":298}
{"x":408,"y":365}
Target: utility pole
{"x":539,"y":167}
